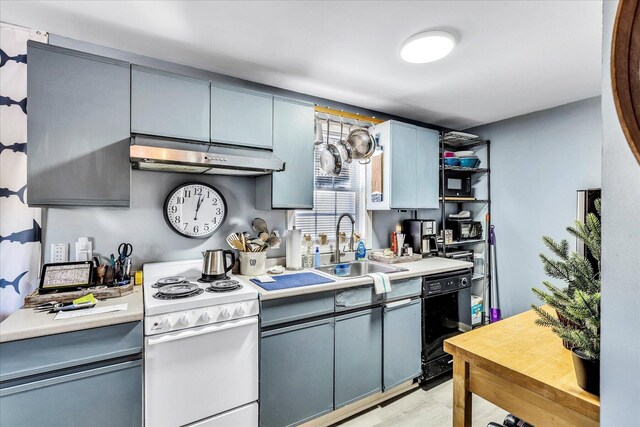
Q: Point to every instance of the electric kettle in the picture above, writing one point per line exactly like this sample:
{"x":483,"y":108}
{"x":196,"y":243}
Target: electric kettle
{"x":214,"y":264}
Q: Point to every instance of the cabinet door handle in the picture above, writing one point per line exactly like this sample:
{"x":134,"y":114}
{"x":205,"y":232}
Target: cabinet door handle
{"x":397,"y":304}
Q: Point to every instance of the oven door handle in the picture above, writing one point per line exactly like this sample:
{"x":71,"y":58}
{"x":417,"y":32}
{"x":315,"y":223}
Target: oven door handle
{"x":201,"y":331}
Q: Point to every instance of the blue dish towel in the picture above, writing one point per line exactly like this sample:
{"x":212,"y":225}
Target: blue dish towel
{"x":293,"y":281}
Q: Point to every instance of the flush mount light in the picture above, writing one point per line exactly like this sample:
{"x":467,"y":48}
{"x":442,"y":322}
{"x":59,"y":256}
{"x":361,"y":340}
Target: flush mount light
{"x":427,"y":47}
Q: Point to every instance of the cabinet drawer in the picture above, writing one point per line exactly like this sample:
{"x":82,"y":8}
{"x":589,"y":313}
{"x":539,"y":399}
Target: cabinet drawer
{"x":295,"y":308}
{"x":44,"y":354}
{"x":404,"y":289}
{"x":362,"y":296}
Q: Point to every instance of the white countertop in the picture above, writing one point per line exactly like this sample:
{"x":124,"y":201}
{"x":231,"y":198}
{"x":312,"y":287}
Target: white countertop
{"x":423,"y":267}
{"x":27,"y":323}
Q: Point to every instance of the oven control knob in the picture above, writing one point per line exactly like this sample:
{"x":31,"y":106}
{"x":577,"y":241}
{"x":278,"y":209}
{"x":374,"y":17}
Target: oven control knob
{"x":185,"y":319}
{"x":464,"y":281}
{"x":225,"y":313}
{"x":162,"y":323}
{"x":206,"y":316}
{"x":240,"y":310}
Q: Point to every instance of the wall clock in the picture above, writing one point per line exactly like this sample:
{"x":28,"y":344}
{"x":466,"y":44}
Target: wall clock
{"x":195,"y":210}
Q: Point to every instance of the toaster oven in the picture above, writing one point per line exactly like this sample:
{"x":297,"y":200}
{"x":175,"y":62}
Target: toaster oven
{"x":464,"y":229}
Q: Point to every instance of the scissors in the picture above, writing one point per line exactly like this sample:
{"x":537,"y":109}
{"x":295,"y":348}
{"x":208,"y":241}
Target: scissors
{"x":124,"y":251}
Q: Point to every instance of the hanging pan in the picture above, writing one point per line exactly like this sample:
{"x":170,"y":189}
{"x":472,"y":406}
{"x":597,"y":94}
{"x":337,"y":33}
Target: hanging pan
{"x":330,"y":160}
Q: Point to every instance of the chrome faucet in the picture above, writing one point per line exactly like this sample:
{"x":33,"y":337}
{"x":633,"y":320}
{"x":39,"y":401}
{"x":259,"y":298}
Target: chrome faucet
{"x":353,"y":227}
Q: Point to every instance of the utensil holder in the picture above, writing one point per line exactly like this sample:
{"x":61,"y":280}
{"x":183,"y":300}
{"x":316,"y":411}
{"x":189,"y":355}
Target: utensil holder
{"x":253,"y":263}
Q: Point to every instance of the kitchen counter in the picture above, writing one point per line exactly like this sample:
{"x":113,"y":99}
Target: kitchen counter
{"x":423,"y":267}
{"x":26,"y":323}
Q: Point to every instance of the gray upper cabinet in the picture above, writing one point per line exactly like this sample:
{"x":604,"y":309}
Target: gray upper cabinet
{"x":79,"y":128}
{"x":427,"y":167}
{"x":241,"y":117}
{"x":293,"y":138}
{"x":405,"y":174}
{"x":403,"y":166}
{"x":170,"y":105}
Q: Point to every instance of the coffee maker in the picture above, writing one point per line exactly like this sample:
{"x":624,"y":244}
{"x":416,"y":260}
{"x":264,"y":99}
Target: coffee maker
{"x":421,"y":235}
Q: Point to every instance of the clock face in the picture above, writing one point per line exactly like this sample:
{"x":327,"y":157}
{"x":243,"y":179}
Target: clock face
{"x":195,"y":210}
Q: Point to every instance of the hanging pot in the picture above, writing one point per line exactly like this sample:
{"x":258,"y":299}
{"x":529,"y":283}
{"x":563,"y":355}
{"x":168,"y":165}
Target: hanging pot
{"x":587,"y":371}
{"x":362,"y":143}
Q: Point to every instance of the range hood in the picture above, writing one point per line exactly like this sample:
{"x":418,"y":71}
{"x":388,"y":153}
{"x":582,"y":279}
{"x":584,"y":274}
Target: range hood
{"x":170,"y":155}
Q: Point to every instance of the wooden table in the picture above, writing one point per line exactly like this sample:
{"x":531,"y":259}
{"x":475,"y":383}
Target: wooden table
{"x":522,"y":368}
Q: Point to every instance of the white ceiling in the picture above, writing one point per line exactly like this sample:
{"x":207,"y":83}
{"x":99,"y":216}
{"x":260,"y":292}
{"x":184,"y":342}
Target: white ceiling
{"x":512,"y":57}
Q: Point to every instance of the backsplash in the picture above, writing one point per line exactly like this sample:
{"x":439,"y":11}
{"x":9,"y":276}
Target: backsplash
{"x":143,"y":224}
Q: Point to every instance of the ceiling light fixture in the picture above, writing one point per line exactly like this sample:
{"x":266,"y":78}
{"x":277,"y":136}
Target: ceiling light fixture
{"x":427,"y":47}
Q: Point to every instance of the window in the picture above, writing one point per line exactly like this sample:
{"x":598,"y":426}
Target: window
{"x":334,"y":195}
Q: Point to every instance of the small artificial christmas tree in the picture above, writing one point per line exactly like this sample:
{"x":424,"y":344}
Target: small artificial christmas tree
{"x":578,"y":304}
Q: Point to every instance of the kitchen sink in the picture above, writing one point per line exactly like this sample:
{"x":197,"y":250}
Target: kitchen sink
{"x":359,"y":269}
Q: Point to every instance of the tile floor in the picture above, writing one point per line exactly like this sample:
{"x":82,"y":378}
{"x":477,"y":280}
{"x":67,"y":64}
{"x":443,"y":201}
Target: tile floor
{"x":425,"y":408}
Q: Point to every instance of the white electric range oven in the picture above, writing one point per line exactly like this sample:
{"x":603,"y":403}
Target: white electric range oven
{"x":201,"y":348}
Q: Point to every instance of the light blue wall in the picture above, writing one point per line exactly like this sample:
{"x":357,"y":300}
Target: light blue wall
{"x":620,"y":352}
{"x":538,"y":162}
{"x":143,"y":225}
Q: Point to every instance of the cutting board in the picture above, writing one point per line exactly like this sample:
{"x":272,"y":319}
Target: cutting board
{"x":376,"y":174}
{"x":295,"y":280}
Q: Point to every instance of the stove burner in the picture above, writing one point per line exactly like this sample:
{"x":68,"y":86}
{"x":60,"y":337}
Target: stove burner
{"x":213,"y":279}
{"x":172,"y":280}
{"x":176,"y":291}
{"x":224,"y":286}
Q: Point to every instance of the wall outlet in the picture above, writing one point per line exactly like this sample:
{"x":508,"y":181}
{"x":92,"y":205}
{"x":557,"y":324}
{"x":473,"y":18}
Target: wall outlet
{"x":59,"y":252}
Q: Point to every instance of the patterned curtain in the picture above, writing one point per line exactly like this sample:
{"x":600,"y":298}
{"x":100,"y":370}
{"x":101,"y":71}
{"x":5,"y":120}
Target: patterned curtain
{"x":20,"y":248}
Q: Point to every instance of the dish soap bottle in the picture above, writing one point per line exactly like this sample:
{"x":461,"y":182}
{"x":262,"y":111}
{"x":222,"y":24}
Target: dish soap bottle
{"x":361,"y":252}
{"x":316,"y":258}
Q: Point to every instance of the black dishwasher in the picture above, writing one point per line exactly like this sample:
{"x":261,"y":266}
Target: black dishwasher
{"x":446,"y":312}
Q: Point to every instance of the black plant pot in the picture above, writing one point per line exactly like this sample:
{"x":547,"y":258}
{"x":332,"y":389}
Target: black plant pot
{"x":587,"y":371}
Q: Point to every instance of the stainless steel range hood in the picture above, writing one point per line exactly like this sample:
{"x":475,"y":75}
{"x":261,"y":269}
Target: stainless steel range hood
{"x":157,"y":154}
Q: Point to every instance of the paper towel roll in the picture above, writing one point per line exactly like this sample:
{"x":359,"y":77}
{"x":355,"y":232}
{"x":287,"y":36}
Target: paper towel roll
{"x":293,"y":249}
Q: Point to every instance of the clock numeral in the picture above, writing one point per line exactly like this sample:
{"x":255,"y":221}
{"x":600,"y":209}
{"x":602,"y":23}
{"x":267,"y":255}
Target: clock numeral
{"x":214,"y":221}
{"x":187,"y":193}
{"x":177,"y":219}
{"x":174,"y":209}
{"x":218,"y":211}
{"x":180,"y":200}
{"x":184,"y":226}
{"x":215,"y":202}
{"x":198,"y":191}
{"x":196,"y":229}
{"x":208,"y":194}
{"x":206,"y":227}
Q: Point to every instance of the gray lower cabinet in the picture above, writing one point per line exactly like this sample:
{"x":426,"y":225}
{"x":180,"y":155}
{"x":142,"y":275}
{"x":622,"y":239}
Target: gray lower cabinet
{"x":170,"y":105}
{"x":296,"y":373}
{"x":358,"y":355}
{"x":241,"y":117}
{"x":293,"y":138}
{"x":103,"y":396}
{"x":79,"y":128}
{"x":88,"y":377}
{"x":402,"y":341}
